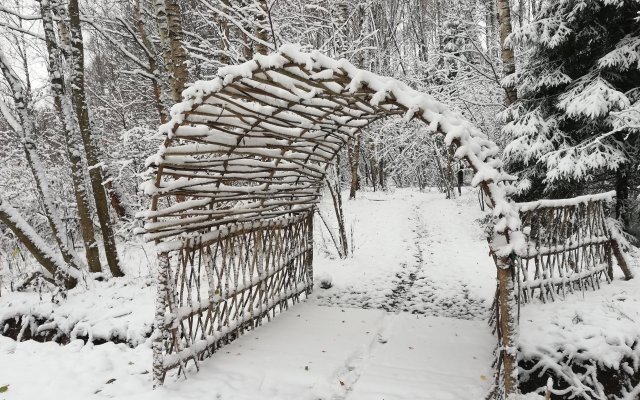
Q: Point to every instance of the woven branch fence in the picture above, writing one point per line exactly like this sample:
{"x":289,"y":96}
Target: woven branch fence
{"x":237,"y":180}
{"x":571,"y":245}
{"x":225,"y":285}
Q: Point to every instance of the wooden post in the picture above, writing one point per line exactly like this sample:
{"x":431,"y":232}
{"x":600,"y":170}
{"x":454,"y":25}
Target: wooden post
{"x":507,"y":324}
{"x":309,"y":263}
{"x":608,"y":251}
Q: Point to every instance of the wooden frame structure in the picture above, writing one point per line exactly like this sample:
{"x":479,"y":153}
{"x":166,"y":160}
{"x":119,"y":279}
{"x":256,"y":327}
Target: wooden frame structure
{"x":237,"y":180}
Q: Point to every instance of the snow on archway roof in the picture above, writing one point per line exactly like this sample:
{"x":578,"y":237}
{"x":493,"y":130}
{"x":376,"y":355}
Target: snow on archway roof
{"x":252,"y":146}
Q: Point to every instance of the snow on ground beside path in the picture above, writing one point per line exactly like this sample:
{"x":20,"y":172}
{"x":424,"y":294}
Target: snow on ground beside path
{"x":120,"y":309}
{"x":601,"y":325}
{"x":415,"y":251}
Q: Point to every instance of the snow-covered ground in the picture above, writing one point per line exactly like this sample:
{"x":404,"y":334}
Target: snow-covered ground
{"x":415,"y":252}
{"x":404,"y":319}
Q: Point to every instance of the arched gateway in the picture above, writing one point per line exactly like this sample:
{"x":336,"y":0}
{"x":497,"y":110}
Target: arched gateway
{"x":240,"y":173}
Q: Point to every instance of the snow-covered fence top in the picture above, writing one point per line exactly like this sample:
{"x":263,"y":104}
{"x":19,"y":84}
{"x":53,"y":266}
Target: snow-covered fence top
{"x":574,"y":201}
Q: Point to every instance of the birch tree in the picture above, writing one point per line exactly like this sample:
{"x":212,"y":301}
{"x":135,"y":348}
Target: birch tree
{"x":84,"y":123}
{"x":169,"y":21}
{"x":508,"y":62}
{"x":25,"y":127}
{"x":62,"y":103}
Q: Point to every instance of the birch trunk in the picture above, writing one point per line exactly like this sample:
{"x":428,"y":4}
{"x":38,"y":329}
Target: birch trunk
{"x":69,"y":127}
{"x":153,"y":64}
{"x":168,"y":19}
{"x":84,"y":123}
{"x":508,"y":62}
{"x":507,"y":325}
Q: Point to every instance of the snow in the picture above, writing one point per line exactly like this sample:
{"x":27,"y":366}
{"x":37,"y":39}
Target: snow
{"x":415,"y":240}
{"x":431,"y":338}
{"x":600,"y":327}
{"x":574,"y":201}
{"x":594,"y":100}
{"x":405,"y":318}
{"x":303,"y":354}
{"x":119,"y":309}
{"x":273,"y":89}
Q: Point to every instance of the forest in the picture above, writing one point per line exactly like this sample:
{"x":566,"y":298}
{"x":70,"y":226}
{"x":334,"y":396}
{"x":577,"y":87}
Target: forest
{"x":513,"y":123}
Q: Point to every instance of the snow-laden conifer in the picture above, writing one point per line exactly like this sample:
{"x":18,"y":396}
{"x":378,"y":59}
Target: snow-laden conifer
{"x":576,"y":117}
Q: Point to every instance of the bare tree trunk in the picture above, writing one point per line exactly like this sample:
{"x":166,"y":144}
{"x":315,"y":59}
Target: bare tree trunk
{"x":373,"y":167}
{"x":450,"y":174}
{"x":341,"y":34}
{"x":261,"y":31}
{"x":490,"y":28}
{"x":223,"y":43}
{"x":374,"y":174}
{"x":169,"y":20}
{"x":38,"y":247}
{"x":622,"y":194}
{"x":84,"y":123}
{"x":382,"y":174}
{"x":69,"y":127}
{"x":178,"y":52}
{"x":153,"y":63}
{"x":508,"y":62}
{"x":507,"y":326}
{"x":354,"y":164}
{"x":336,"y":196}
{"x":26,"y":129}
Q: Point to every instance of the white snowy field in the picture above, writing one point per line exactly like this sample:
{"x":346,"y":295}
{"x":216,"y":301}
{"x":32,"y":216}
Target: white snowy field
{"x":404,"y":319}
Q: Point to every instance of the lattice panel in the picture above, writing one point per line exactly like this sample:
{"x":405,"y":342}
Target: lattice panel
{"x":569,"y":248}
{"x":214,"y":291}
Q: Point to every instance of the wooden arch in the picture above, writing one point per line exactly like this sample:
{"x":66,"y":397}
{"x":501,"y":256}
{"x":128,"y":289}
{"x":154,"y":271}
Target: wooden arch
{"x":237,"y":179}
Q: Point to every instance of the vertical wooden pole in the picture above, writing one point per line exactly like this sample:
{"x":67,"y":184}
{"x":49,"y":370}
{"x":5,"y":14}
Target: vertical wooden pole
{"x":159,"y":332}
{"x":507,"y":326}
{"x":309,"y":265}
{"x":607,"y":250}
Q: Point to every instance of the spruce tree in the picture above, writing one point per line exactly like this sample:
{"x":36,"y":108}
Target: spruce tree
{"x":574,"y":127}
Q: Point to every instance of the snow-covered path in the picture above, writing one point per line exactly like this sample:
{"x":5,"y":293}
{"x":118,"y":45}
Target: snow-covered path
{"x":440,"y":269}
{"x":405,"y":319}
{"x":422,"y":254}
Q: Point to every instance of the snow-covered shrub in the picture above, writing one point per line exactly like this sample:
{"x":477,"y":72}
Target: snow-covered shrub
{"x":588,"y":344}
{"x":325,"y":281}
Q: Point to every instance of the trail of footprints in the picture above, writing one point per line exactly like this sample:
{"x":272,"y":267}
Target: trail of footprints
{"x":413,"y":290}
